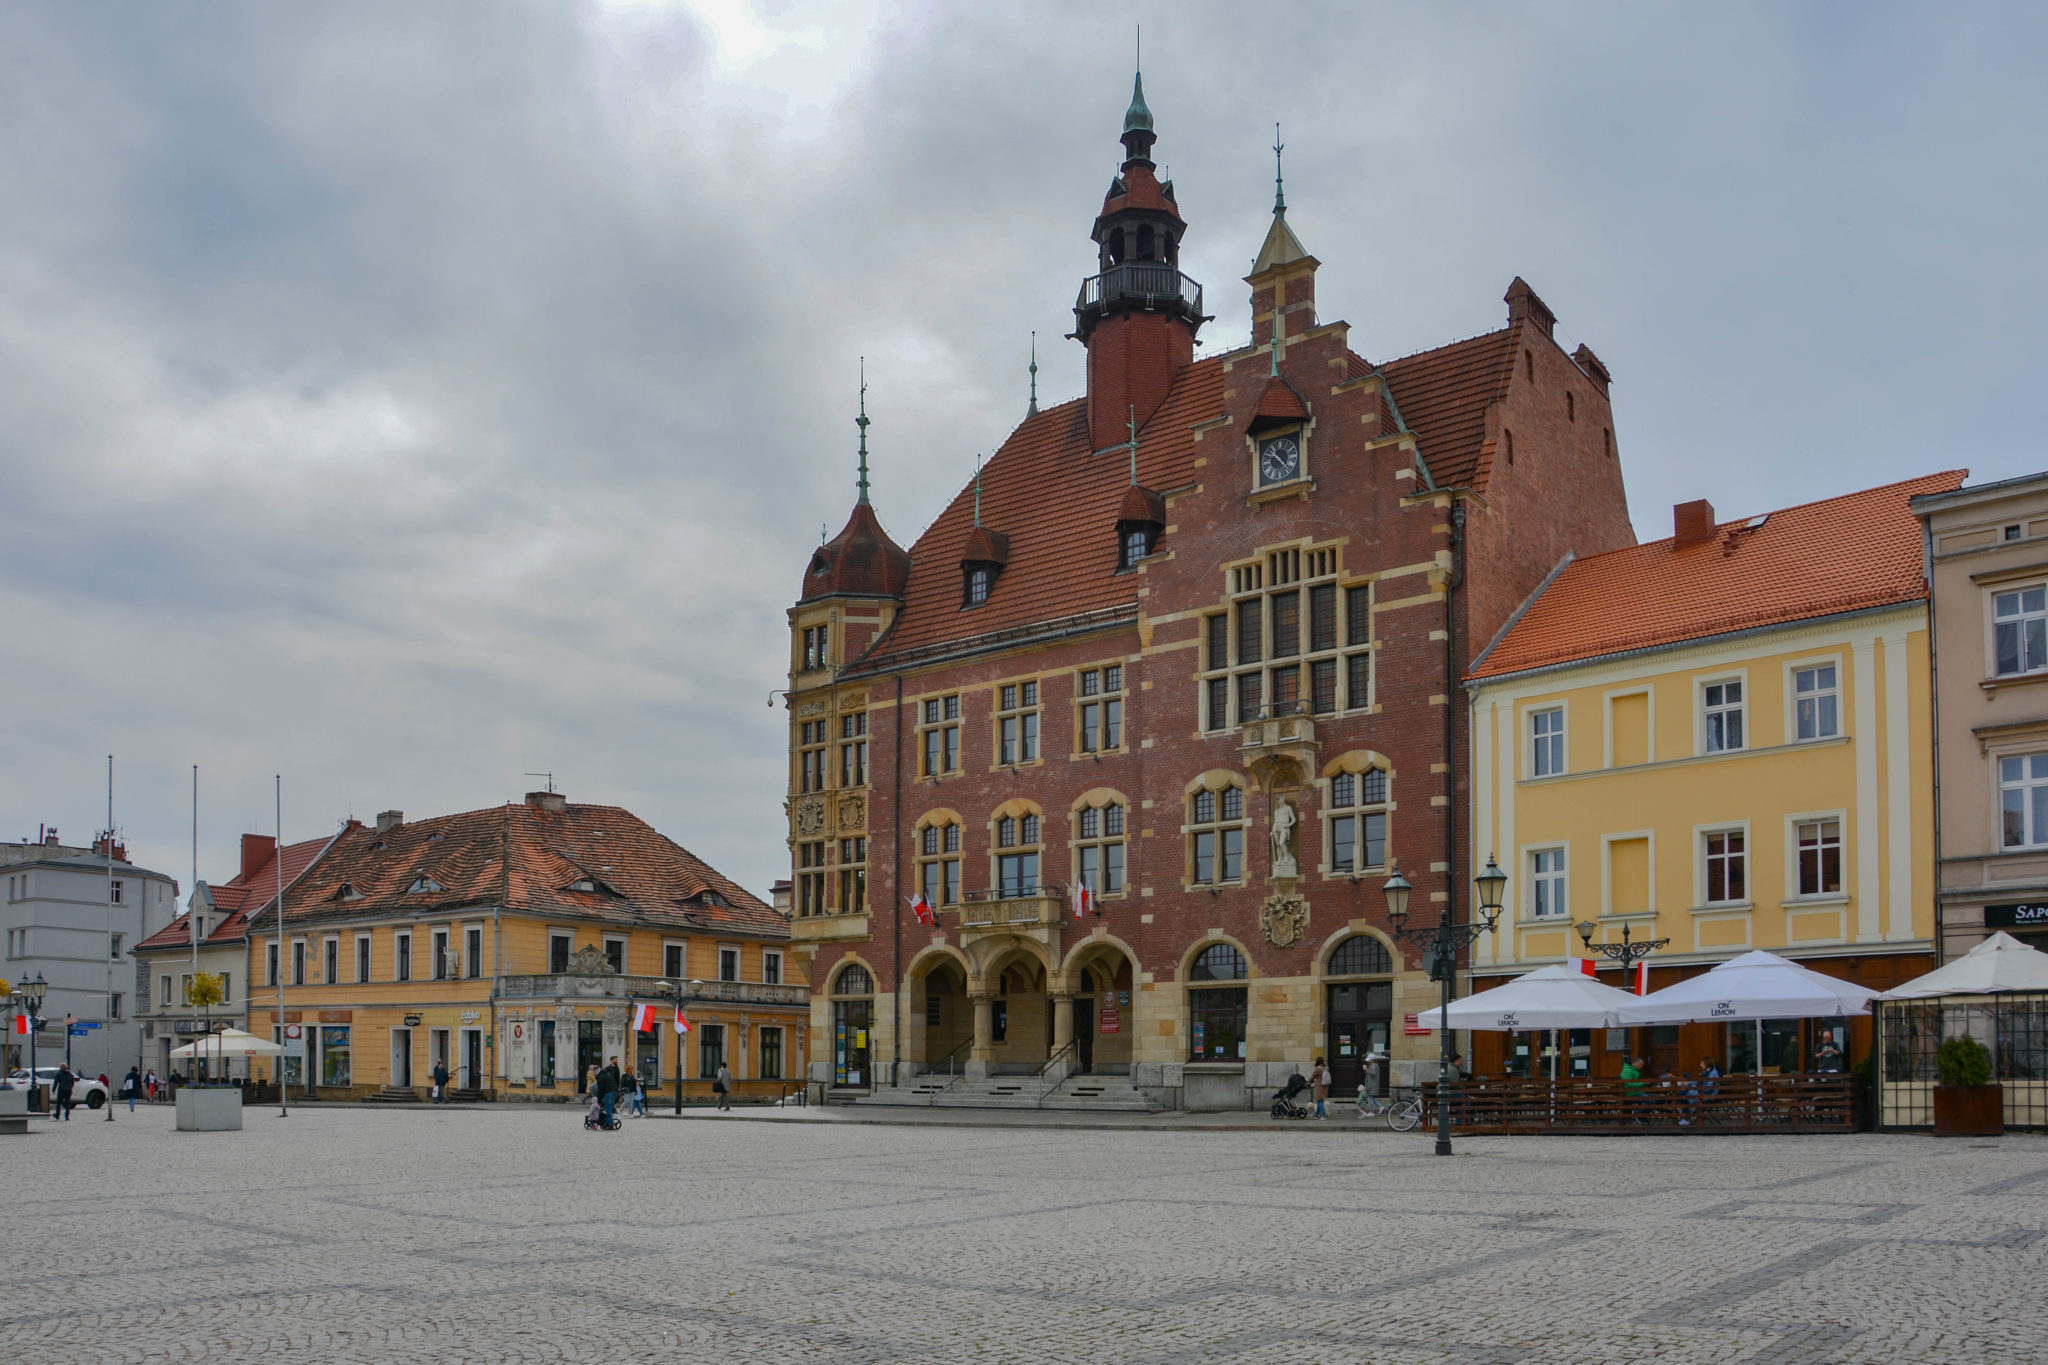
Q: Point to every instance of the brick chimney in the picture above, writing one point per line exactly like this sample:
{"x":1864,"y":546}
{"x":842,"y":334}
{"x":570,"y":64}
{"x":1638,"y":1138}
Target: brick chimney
{"x":103,"y":843}
{"x":553,"y":801}
{"x":1523,"y":303}
{"x":388,"y":820}
{"x":256,"y":850}
{"x":1692,"y":523}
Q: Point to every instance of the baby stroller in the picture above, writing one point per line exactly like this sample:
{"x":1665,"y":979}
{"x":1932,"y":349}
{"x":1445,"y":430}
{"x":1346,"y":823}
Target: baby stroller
{"x":1284,"y":1106}
{"x":593,"y":1118}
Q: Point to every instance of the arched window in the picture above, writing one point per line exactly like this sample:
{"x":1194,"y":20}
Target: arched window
{"x":1361,"y":955}
{"x":979,"y":579}
{"x":853,"y":1022}
{"x":1216,"y":836}
{"x":1217,"y":1005}
{"x":938,"y":863}
{"x":1145,"y":242}
{"x":1099,"y":848}
{"x":853,"y":979}
{"x":1016,"y":856}
{"x":1357,"y":816}
{"x":1137,"y":544}
{"x":1116,"y":246}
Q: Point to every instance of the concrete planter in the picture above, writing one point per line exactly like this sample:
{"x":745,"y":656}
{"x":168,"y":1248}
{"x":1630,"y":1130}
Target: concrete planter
{"x":1969,"y":1110}
{"x":204,"y":1109}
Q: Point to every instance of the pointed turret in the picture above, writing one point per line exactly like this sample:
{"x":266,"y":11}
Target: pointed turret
{"x":1283,"y":278}
{"x":861,"y":561}
{"x":1138,"y":315}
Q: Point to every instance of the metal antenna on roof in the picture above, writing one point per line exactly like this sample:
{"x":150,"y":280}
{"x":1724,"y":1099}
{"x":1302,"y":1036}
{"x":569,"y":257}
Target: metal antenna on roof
{"x":1134,"y":445}
{"x":1279,"y":188}
{"x":977,"y":490}
{"x":549,"y":776}
{"x":1032,"y":411}
{"x":862,"y":422}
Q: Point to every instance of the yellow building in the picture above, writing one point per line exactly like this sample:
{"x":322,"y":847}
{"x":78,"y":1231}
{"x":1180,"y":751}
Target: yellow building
{"x":511,"y":945}
{"x":1717,"y":742}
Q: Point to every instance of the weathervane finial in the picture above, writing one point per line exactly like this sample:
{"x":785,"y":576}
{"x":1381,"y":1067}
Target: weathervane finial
{"x":862,"y":422}
{"x":1279,"y":188}
{"x":1032,"y":411}
{"x":1134,"y":445}
{"x":977,"y":490}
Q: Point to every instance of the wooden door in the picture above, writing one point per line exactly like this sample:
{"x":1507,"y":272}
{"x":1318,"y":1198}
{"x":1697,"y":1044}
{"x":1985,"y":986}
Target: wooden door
{"x":1084,"y":1033}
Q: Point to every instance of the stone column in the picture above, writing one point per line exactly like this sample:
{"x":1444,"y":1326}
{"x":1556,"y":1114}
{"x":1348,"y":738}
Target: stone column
{"x":984,"y":1051}
{"x":1062,"y":1035}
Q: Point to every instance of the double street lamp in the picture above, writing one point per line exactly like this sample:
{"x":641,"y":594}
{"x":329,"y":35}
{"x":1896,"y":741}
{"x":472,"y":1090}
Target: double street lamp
{"x":32,"y":993}
{"x":675,"y":988}
{"x":1628,"y":952}
{"x":1442,"y":943}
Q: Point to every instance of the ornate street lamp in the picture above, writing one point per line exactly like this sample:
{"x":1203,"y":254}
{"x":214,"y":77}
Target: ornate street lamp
{"x":675,"y":988}
{"x":1628,"y":952}
{"x":33,"y":991}
{"x":1442,"y":942}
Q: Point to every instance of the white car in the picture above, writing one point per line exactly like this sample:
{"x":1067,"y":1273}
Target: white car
{"x":87,"y":1091}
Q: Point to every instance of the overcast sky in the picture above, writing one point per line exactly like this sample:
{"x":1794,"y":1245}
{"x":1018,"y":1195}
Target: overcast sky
{"x":404,"y":398}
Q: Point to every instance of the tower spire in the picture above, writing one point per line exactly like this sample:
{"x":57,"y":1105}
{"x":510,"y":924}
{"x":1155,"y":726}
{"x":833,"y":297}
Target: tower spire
{"x":862,"y":422}
{"x":1279,"y":187}
{"x":1032,"y":411}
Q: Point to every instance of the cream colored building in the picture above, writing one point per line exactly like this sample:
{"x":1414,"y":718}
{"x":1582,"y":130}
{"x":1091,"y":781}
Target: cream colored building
{"x":1987,"y":552}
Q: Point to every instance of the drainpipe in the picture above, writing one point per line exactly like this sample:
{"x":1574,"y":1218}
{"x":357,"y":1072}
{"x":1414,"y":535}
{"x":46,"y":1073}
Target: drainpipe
{"x":896,"y":885}
{"x":1934,"y":713}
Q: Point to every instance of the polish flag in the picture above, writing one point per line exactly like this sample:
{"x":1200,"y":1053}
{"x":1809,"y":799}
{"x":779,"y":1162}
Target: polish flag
{"x":1584,"y":967}
{"x":1083,"y":899}
{"x":643,"y":1018}
{"x":21,"y":1024}
{"x":1639,"y":977}
{"x":921,"y":907}
{"x":682,"y":1024}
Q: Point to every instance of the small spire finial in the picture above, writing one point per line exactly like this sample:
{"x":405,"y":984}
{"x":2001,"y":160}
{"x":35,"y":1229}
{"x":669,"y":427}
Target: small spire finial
{"x":862,"y":422}
{"x":1278,"y":325}
{"x":1032,"y":411}
{"x":977,"y":490}
{"x":1134,"y":445}
{"x":1279,"y":188}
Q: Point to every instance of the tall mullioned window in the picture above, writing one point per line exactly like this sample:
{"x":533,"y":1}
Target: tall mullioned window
{"x":811,"y":756}
{"x":1099,"y":848}
{"x":853,"y":876}
{"x":1016,"y":855}
{"x":1357,"y":814}
{"x":816,"y":647}
{"x":1816,"y":702}
{"x":1017,"y":723}
{"x":1099,"y":714}
{"x":1216,"y":836}
{"x":1294,"y":641}
{"x":853,"y":750}
{"x":810,"y":879}
{"x":938,"y":736}
{"x":938,"y":864}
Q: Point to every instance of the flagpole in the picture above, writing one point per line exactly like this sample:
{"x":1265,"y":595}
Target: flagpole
{"x":191,"y":917}
{"x":282,"y":1111}
{"x":109,"y":1023}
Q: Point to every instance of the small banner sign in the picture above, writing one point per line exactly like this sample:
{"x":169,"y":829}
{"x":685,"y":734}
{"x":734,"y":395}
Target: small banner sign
{"x":1413,"y":1029}
{"x":1110,"y":1019}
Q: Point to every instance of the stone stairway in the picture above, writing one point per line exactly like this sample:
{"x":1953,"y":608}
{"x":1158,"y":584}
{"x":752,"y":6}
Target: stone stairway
{"x":1082,"y":1093}
{"x":395,"y":1094}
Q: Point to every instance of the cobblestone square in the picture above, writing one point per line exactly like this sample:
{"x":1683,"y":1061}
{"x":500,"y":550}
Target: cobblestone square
{"x":508,"y":1233}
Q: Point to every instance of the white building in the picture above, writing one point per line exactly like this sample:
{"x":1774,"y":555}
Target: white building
{"x":74,"y":917}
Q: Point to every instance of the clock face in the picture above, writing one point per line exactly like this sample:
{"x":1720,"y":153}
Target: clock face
{"x":1279,"y":460}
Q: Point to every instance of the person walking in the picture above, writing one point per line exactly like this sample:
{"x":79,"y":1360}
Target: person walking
{"x":440,"y":1082}
{"x":608,"y":1091}
{"x":723,"y":1085}
{"x":149,"y":1084}
{"x":1369,"y":1105}
{"x":62,"y":1086}
{"x":1319,"y":1086}
{"x":131,"y":1088}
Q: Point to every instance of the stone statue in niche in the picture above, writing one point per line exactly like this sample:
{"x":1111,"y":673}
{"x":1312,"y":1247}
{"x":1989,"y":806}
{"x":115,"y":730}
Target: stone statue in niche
{"x":1284,"y":821}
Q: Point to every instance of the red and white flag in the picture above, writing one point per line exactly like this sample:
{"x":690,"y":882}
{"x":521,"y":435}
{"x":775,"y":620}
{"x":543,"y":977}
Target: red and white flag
{"x":922,"y":908}
{"x":1584,"y":967}
{"x":21,"y":1023}
{"x":1639,"y":977}
{"x":682,"y":1023}
{"x":643,"y":1018}
{"x":1083,"y":899}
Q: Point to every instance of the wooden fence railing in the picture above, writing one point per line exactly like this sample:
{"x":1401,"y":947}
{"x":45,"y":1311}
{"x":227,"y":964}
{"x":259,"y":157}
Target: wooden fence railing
{"x":1732,"y":1104}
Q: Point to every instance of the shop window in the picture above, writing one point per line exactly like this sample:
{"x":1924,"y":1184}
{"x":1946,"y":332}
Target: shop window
{"x":1217,"y":1007}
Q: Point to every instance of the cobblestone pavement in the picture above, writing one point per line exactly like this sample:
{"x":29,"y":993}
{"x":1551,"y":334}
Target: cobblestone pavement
{"x":510,"y":1234}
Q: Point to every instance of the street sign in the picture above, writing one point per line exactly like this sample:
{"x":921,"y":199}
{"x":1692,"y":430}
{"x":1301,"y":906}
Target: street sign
{"x":79,"y":1031}
{"x":85,"y":1023}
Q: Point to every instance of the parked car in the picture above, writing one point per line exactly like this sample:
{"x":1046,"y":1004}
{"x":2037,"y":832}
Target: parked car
{"x":87,"y":1091}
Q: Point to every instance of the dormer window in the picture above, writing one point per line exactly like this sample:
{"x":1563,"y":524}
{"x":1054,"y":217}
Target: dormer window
{"x":347,"y":892}
{"x":583,"y":884}
{"x":1137,"y":544}
{"x":423,"y":885}
{"x":979,"y":579}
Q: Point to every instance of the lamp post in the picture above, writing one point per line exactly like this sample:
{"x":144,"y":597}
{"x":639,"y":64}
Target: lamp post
{"x":33,"y":991}
{"x":1442,"y":942}
{"x":675,"y":988}
{"x":1628,"y":952}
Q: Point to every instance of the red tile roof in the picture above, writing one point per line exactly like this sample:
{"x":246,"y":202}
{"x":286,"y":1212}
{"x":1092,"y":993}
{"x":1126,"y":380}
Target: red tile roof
{"x":861,"y":561}
{"x":1843,"y":554}
{"x":237,"y":897}
{"x":641,"y":877}
{"x":1057,"y":500}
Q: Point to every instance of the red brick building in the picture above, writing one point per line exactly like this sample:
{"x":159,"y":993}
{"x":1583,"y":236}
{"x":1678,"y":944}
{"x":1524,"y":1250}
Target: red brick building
{"x":1188,"y":642}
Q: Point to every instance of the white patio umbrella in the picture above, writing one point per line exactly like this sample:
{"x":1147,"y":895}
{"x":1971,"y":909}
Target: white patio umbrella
{"x":1754,"y":986}
{"x":231,"y":1042}
{"x":1999,"y":964}
{"x":1547,"y":998}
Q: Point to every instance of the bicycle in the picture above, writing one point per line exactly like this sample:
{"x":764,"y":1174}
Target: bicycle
{"x":1405,"y":1113}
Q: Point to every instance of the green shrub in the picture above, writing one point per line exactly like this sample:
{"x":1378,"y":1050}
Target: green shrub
{"x":1962,"y":1061}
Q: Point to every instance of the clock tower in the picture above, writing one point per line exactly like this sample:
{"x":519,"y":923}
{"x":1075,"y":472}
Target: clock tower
{"x":1138,"y":314}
